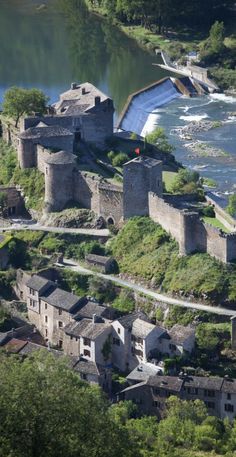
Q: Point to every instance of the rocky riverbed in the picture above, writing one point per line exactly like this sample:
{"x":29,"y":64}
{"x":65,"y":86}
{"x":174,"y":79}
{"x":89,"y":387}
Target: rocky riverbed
{"x":202,"y":149}
{"x":196,"y":127}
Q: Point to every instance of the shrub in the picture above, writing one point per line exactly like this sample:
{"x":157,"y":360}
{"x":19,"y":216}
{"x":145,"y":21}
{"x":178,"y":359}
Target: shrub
{"x":120,"y":159}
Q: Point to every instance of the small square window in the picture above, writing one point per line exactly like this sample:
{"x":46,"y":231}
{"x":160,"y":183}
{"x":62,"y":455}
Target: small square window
{"x":60,"y":324}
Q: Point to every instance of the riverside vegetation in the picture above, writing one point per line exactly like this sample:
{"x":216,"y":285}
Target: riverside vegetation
{"x":179,"y":29}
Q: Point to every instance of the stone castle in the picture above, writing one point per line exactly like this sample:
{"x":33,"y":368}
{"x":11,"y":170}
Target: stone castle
{"x":85,"y":114}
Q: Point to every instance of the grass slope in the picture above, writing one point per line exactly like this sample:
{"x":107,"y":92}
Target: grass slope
{"x":143,"y":249}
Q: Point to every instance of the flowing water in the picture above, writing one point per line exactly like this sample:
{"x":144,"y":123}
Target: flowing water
{"x":49,"y":44}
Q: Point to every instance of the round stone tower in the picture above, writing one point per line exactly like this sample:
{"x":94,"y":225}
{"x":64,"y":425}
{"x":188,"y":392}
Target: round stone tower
{"x":59,"y":180}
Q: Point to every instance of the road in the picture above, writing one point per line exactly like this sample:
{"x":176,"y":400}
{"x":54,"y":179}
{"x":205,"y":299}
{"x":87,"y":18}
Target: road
{"x":101,"y":233}
{"x":74,"y":266}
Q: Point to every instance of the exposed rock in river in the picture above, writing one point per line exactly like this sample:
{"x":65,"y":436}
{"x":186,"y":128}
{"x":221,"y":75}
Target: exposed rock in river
{"x":201,"y":149}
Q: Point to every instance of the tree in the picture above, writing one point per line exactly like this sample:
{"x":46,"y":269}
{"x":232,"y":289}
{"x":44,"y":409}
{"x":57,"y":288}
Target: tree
{"x":186,"y":181}
{"x":213,"y":46}
{"x":3,"y":202}
{"x":46,"y":410}
{"x":19,"y":101}
{"x":231,"y":208}
{"x":158,"y":138}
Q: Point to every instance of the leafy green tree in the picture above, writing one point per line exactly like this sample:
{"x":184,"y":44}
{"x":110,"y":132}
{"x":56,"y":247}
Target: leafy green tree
{"x":18,"y":102}
{"x":46,"y":410}
{"x":231,"y":208}
{"x":213,"y":46}
{"x":125,"y":301}
{"x":185,"y":181}
{"x":158,"y":138}
{"x":101,"y":289}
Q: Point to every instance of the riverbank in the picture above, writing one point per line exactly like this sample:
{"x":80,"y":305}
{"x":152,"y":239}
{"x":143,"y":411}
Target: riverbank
{"x":178,"y":45}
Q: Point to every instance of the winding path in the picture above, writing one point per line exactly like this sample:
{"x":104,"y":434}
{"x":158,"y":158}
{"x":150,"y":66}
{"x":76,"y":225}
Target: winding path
{"x":75,"y":266}
{"x":101,"y":233}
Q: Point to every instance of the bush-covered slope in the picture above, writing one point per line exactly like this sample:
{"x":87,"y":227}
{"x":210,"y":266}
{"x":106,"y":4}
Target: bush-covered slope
{"x":142,"y":248}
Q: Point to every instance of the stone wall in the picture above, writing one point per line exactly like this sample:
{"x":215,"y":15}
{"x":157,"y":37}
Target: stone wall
{"x":15,"y":201}
{"x":228,"y":221}
{"x":86,"y":190}
{"x":111,"y":203}
{"x":58,"y":186}
{"x":42,"y":155}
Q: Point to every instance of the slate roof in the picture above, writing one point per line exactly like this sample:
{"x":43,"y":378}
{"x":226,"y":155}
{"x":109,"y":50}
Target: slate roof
{"x":142,"y":372}
{"x":179,"y":333}
{"x":229,"y":386}
{"x":37,"y":283}
{"x":75,"y":328}
{"x":98,"y":259}
{"x":92,"y":331}
{"x":74,"y":102}
{"x":86,"y":367}
{"x":127,"y":321}
{"x":62,"y":299}
{"x":201,"y":382}
{"x":45,"y":132}
{"x":61,"y":158}
{"x":89,"y":309}
{"x":172,"y":383}
{"x":145,"y":161}
{"x":142,"y":328}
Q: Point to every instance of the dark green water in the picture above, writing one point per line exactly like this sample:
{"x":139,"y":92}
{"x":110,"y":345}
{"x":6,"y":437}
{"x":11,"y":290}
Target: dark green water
{"x":49,"y":47}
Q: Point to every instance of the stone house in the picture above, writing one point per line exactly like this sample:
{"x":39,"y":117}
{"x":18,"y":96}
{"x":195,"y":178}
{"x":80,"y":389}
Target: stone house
{"x":133,"y":340}
{"x":103,"y":263}
{"x":178,"y":341}
{"x":218,"y":394}
{"x":51,"y":308}
{"x":87,"y":338}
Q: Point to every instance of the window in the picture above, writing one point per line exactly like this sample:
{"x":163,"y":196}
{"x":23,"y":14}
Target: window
{"x":118,"y":330}
{"x":32,"y":292}
{"x":229,"y":407}
{"x":60,"y":342}
{"x":83,"y":376}
{"x":228,"y":396}
{"x":87,"y":352}
{"x":33,"y":303}
{"x":210,"y":404}
{"x":157,"y":404}
{"x":60,"y":311}
{"x":45,"y":306}
{"x":116,"y":341}
{"x":209,"y":393}
{"x":195,"y":391}
{"x":60,"y":324}
{"x":46,"y":319}
{"x":87,"y":342}
{"x":71,"y":337}
{"x":46,"y":332}
{"x":172,"y":347}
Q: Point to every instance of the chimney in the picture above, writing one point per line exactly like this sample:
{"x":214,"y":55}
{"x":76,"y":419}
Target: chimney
{"x":83,"y":91}
{"x":97,"y":100}
{"x":94,"y":318}
{"x":73,"y":86}
{"x":73,"y":291}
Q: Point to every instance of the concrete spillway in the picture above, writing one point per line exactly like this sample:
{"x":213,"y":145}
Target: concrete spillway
{"x":143,"y":104}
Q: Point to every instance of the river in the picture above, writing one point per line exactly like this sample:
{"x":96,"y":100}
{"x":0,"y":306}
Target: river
{"x":52,"y":43}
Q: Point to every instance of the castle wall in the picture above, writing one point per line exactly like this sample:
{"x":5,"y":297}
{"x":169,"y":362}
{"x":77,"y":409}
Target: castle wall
{"x":170,"y":218}
{"x":138,"y":180}
{"x":231,"y":247}
{"x":228,"y":221}
{"x":111,"y":203}
{"x":58,"y":186}
{"x":10,"y":133}
{"x":27,"y":156}
{"x":96,"y":127}
{"x":42,"y":155}
{"x":86,"y":191}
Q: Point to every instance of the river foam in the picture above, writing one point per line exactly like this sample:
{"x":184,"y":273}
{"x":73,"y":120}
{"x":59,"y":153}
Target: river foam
{"x":196,"y":117}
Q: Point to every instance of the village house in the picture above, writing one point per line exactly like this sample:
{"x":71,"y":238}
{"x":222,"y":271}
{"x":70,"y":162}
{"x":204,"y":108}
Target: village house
{"x":178,"y":341}
{"x":218,"y":394}
{"x":103,"y":263}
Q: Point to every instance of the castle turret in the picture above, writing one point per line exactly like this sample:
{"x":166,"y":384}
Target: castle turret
{"x":141,"y":176}
{"x":59,"y":180}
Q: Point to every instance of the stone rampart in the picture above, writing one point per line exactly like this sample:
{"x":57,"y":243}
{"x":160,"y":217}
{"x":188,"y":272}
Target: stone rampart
{"x":42,"y":155}
{"x":111,"y":203}
{"x":15,"y":201}
{"x":228,"y":221}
